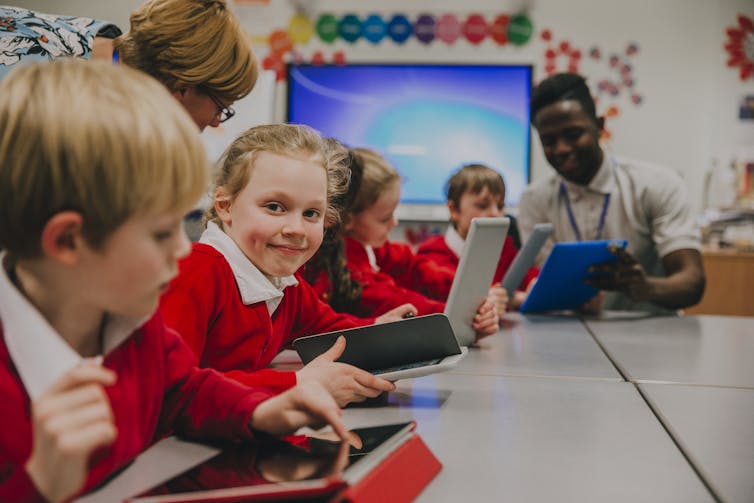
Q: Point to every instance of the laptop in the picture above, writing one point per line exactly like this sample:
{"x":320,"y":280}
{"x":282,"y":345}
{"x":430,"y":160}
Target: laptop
{"x":473,"y":278}
{"x":401,"y":349}
{"x":525,"y":258}
{"x":560,"y":285}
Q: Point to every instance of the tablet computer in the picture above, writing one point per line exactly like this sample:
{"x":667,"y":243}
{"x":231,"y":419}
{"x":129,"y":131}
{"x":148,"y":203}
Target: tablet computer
{"x":560,"y":284}
{"x":525,"y":258}
{"x":297,"y":468}
{"x":474,"y":275}
{"x":413,"y":347}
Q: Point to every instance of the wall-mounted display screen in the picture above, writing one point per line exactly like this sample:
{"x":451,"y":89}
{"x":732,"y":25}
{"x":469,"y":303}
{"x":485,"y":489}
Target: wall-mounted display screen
{"x":427,"y":120}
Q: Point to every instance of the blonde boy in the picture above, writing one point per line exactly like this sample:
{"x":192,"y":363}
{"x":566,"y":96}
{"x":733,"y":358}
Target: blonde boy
{"x":97,"y":165}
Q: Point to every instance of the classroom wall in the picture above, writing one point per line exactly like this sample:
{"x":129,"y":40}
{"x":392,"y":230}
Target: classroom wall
{"x":688,"y":113}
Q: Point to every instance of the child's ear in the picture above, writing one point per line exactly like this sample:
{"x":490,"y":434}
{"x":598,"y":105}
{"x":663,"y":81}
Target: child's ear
{"x":62,"y":237}
{"x":453,"y":210}
{"x":222,"y":202}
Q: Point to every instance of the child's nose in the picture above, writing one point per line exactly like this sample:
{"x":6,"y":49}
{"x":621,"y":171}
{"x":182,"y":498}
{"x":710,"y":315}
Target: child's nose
{"x":293,"y":225}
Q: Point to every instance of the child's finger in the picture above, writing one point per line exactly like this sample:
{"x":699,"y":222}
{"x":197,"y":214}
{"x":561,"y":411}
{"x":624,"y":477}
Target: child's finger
{"x":372,"y":381}
{"x":72,"y":399}
{"x":334,"y":352}
{"x":83,"y":374}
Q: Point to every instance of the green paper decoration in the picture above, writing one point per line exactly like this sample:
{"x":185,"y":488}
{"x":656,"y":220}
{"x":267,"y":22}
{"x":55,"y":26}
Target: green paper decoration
{"x":327,"y":28}
{"x":520,"y":29}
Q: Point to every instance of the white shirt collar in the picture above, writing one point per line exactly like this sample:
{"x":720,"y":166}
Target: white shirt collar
{"x":39,"y":353}
{"x":454,"y":241}
{"x":372,"y":258}
{"x":253,"y":285}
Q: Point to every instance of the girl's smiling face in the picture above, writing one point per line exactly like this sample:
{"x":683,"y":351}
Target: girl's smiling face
{"x":277,"y":219}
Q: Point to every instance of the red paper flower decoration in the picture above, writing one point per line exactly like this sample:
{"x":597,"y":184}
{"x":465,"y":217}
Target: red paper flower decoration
{"x":740,"y":46}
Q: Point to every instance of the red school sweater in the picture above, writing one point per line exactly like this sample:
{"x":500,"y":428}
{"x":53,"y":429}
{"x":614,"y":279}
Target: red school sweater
{"x":159,"y":391}
{"x":402,"y":278}
{"x":203,"y":304}
{"x":436,"y":248}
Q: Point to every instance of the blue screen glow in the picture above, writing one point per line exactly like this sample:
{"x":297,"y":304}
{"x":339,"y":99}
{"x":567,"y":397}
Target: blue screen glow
{"x":427,"y":120}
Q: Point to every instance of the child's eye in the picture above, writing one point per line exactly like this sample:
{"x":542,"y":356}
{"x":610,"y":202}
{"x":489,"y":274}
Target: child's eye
{"x":164,"y":235}
{"x":312,"y":214}
{"x":274,"y":207}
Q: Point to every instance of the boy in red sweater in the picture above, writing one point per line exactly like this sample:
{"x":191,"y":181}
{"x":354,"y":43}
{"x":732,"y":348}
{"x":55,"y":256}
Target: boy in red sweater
{"x":390,"y":273}
{"x":473,"y":191}
{"x":237,"y":299}
{"x":97,"y":166}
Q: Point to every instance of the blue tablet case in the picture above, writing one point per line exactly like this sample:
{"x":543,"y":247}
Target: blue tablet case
{"x":560,"y":284}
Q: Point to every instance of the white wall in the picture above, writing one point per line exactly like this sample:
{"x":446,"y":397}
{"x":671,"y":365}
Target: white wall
{"x":689,"y":114}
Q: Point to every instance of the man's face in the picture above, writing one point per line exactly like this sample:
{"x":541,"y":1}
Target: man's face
{"x":570,"y":140}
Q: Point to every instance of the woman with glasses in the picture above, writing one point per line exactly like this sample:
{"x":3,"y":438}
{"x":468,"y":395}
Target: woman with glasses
{"x":196,"y":48}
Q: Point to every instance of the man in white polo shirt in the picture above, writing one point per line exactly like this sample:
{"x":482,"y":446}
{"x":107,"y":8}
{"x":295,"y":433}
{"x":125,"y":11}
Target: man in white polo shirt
{"x":593,"y":195}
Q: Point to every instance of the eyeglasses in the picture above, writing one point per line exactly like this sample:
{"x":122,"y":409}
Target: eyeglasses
{"x":223,"y":113}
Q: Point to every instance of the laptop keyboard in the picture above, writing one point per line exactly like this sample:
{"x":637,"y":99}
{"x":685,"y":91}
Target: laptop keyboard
{"x":408,"y":366}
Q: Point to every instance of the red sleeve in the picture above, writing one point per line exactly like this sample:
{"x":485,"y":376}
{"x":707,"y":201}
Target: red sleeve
{"x":435,"y":249}
{"x":314,"y":316}
{"x":18,"y":487}
{"x":202,"y":402}
{"x":418,"y":273}
{"x":193,"y":300}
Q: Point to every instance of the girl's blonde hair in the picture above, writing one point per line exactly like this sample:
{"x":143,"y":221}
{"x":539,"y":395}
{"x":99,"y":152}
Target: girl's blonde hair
{"x":191,"y":43}
{"x":376,"y":176}
{"x":237,"y":162}
{"x":107,"y":142}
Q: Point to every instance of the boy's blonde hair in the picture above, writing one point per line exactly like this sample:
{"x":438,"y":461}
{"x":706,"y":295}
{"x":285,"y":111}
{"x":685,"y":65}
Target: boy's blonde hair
{"x":191,"y":43}
{"x":474,"y":178}
{"x":376,"y":176}
{"x":107,"y":142}
{"x":237,"y":162}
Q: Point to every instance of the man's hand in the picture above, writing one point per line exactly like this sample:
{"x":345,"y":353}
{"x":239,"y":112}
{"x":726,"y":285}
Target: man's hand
{"x":345,"y":383}
{"x":626,"y":275}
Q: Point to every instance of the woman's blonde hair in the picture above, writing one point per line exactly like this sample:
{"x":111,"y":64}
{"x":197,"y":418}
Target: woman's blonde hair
{"x":237,"y":162}
{"x":376,"y":176}
{"x":107,"y":142}
{"x":191,"y":43}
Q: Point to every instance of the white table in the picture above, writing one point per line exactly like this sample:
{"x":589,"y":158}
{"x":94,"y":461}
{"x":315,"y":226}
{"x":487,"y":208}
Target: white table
{"x":535,"y":439}
{"x":548,"y":346}
{"x":715,"y":427}
{"x":711,"y":350}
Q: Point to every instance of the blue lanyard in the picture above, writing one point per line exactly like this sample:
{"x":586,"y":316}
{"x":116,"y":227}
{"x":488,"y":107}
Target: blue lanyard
{"x":574,"y":225}
{"x":116,"y":56}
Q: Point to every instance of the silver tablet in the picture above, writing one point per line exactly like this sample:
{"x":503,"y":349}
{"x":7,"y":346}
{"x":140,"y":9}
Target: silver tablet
{"x":525,"y":258}
{"x":474,"y":275}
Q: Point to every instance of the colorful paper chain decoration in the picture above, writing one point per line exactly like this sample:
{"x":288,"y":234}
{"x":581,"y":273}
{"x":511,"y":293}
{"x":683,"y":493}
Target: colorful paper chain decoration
{"x":503,"y":29}
{"x":740,"y":47}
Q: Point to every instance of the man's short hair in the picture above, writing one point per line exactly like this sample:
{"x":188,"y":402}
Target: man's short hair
{"x":105,"y":141}
{"x":562,"y":87}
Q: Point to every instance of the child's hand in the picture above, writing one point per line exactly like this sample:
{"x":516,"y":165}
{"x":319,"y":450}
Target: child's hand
{"x":487,"y":321}
{"x":500,"y":296}
{"x":306,"y":404}
{"x":345,"y":382}
{"x":399,"y":313}
{"x":519,"y":296}
{"x":70,"y":421}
